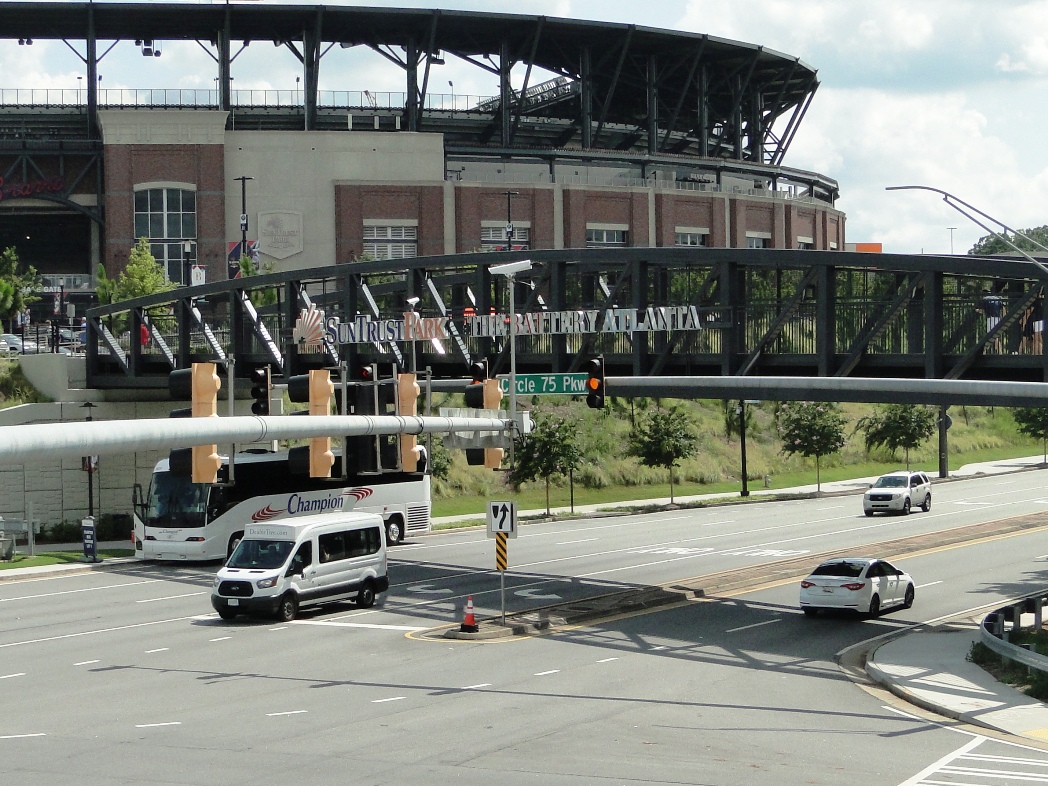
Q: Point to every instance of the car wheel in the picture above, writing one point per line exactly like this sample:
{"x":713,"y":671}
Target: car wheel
{"x":906,"y":507}
{"x":875,"y":606}
{"x":288,"y":608}
{"x":809,"y":612}
{"x":394,"y":531}
{"x":907,"y":600}
{"x":366,"y":595}
{"x":868,"y":512}
{"x":927,"y":505}
{"x":227,"y":614}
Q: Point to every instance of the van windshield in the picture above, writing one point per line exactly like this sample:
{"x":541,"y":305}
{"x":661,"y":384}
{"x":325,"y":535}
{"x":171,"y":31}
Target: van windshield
{"x":260,"y":554}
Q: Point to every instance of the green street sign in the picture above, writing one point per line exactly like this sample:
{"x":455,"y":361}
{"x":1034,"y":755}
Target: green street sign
{"x":546,"y":384}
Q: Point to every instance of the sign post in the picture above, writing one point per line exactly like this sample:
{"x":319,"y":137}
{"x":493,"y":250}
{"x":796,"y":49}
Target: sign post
{"x":502,"y":524}
{"x":87,"y":532}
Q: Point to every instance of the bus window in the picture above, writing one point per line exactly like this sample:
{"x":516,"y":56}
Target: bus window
{"x":176,"y":501}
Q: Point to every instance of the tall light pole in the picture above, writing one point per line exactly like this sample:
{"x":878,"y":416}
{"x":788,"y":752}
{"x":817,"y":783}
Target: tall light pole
{"x":509,"y":218}
{"x":510,"y":270}
{"x":951,"y":239}
{"x":243,"y":214}
{"x":89,"y":465}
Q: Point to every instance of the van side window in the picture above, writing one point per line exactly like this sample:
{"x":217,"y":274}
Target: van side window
{"x":332,"y":546}
{"x":303,"y":559}
{"x":364,"y":541}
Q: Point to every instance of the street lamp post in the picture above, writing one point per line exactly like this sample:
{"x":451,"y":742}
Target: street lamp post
{"x":187,"y":263}
{"x":951,"y":239}
{"x":742,"y":449}
{"x":509,"y":218}
{"x":412,"y":302}
{"x":510,"y":270}
{"x":89,"y":465}
{"x":243,"y":214}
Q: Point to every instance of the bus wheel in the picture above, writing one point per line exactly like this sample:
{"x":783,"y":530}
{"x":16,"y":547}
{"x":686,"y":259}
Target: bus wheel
{"x":395,"y":531}
{"x":366,"y":595}
{"x":288,"y":608}
{"x":234,"y":541}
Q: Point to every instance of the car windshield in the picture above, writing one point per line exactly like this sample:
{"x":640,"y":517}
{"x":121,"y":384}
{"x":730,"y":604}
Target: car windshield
{"x":890,"y":482}
{"x":849,"y":570}
{"x":260,"y":554}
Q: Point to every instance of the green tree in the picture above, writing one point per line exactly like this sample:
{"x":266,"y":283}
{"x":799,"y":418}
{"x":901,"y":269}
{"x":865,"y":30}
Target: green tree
{"x":142,"y":276}
{"x":550,"y":449}
{"x":266,"y":296}
{"x":663,"y":439}
{"x":17,"y":283}
{"x":1033,"y":422}
{"x":990,"y":244}
{"x":811,"y":429}
{"x":897,"y":426}
{"x":439,"y":460}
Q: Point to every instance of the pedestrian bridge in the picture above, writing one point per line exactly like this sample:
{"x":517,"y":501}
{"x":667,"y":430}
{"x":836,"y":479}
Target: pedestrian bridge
{"x":648,"y":311}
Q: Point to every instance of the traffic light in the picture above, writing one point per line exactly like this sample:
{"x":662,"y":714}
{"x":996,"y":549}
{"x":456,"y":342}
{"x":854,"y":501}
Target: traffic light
{"x":475,"y":390}
{"x":260,"y":388}
{"x":595,"y":383}
{"x":407,"y":404}
{"x":200,"y":385}
{"x":316,"y":388}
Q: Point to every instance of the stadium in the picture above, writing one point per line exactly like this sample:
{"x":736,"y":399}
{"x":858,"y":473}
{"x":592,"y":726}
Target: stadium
{"x":592,"y":135}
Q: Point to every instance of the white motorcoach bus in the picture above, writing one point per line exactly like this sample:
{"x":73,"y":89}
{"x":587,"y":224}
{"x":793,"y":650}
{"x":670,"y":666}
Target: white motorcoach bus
{"x":179,"y":520}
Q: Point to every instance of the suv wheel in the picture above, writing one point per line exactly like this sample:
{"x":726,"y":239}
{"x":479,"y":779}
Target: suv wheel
{"x":927,"y":504}
{"x":906,"y":507}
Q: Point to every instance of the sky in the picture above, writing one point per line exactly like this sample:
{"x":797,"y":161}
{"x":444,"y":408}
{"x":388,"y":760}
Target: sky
{"x":942,"y":93}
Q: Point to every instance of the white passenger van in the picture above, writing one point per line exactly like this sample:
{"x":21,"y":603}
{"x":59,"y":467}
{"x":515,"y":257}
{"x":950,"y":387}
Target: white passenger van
{"x":278,"y":568}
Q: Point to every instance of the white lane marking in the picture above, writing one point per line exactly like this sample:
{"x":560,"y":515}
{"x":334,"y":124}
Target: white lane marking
{"x":221,"y":638}
{"x":21,"y":736}
{"x":282,"y":627}
{"x":935,"y":766}
{"x":8,"y":676}
{"x":383,"y":701}
{"x":660,"y":647}
{"x":976,"y":504}
{"x":900,"y":712}
{"x":85,"y":662}
{"x":428,"y":589}
{"x":373,"y":626}
{"x":754,"y":625}
{"x":158,"y":649}
{"x":478,"y":685}
{"x":289,"y":712}
{"x":831,"y":507}
{"x":569,"y":542}
{"x":169,"y":597}
{"x":929,"y":584}
{"x":544,"y":673}
{"x":154,"y":725}
{"x":100,"y":630}
{"x":606,"y":660}
{"x":535,"y":594}
{"x":77,"y":591}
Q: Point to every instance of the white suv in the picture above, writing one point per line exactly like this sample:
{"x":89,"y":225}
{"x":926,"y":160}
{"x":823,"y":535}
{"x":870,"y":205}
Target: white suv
{"x":897,"y":492}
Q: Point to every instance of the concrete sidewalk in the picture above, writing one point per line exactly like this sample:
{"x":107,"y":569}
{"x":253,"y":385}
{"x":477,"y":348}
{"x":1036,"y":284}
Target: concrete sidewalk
{"x":929,"y":668}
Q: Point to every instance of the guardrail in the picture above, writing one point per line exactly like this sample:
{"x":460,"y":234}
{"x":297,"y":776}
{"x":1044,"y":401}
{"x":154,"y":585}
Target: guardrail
{"x":993,"y":635}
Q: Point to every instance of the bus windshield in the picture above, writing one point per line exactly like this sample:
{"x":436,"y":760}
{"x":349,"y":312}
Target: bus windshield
{"x":176,"y":502}
{"x":260,"y":554}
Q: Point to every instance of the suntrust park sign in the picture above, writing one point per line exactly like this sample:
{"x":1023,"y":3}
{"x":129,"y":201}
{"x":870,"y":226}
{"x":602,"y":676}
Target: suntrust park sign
{"x":364,"y":330}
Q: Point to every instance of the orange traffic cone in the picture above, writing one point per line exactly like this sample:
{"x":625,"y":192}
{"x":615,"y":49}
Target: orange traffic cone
{"x":469,"y":624}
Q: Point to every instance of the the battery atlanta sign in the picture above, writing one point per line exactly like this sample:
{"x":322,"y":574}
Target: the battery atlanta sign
{"x":364,"y":330}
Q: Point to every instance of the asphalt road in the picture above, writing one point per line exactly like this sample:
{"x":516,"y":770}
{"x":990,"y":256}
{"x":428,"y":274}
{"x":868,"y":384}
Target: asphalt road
{"x":125,"y":675}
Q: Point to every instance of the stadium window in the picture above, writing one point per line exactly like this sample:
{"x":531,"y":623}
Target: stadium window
{"x":691,"y":238}
{"x":390,"y":241}
{"x":167,"y":218}
{"x":494,"y":238}
{"x":606,"y":238}
{"x":757,"y":242}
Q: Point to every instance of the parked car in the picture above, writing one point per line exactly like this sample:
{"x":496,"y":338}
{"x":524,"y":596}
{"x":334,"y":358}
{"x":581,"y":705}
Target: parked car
{"x":16,"y":344}
{"x":897,"y":492}
{"x":860,"y":584}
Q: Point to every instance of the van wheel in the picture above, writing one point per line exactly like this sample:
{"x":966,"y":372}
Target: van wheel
{"x":366,"y":595}
{"x":227,"y":614}
{"x":234,"y":541}
{"x":394,"y":531}
{"x":288,"y":608}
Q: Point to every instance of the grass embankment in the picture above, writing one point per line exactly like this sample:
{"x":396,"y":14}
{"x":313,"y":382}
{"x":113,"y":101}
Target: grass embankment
{"x":59,"y":558}
{"x":1032,"y":682}
{"x":610,"y":475}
